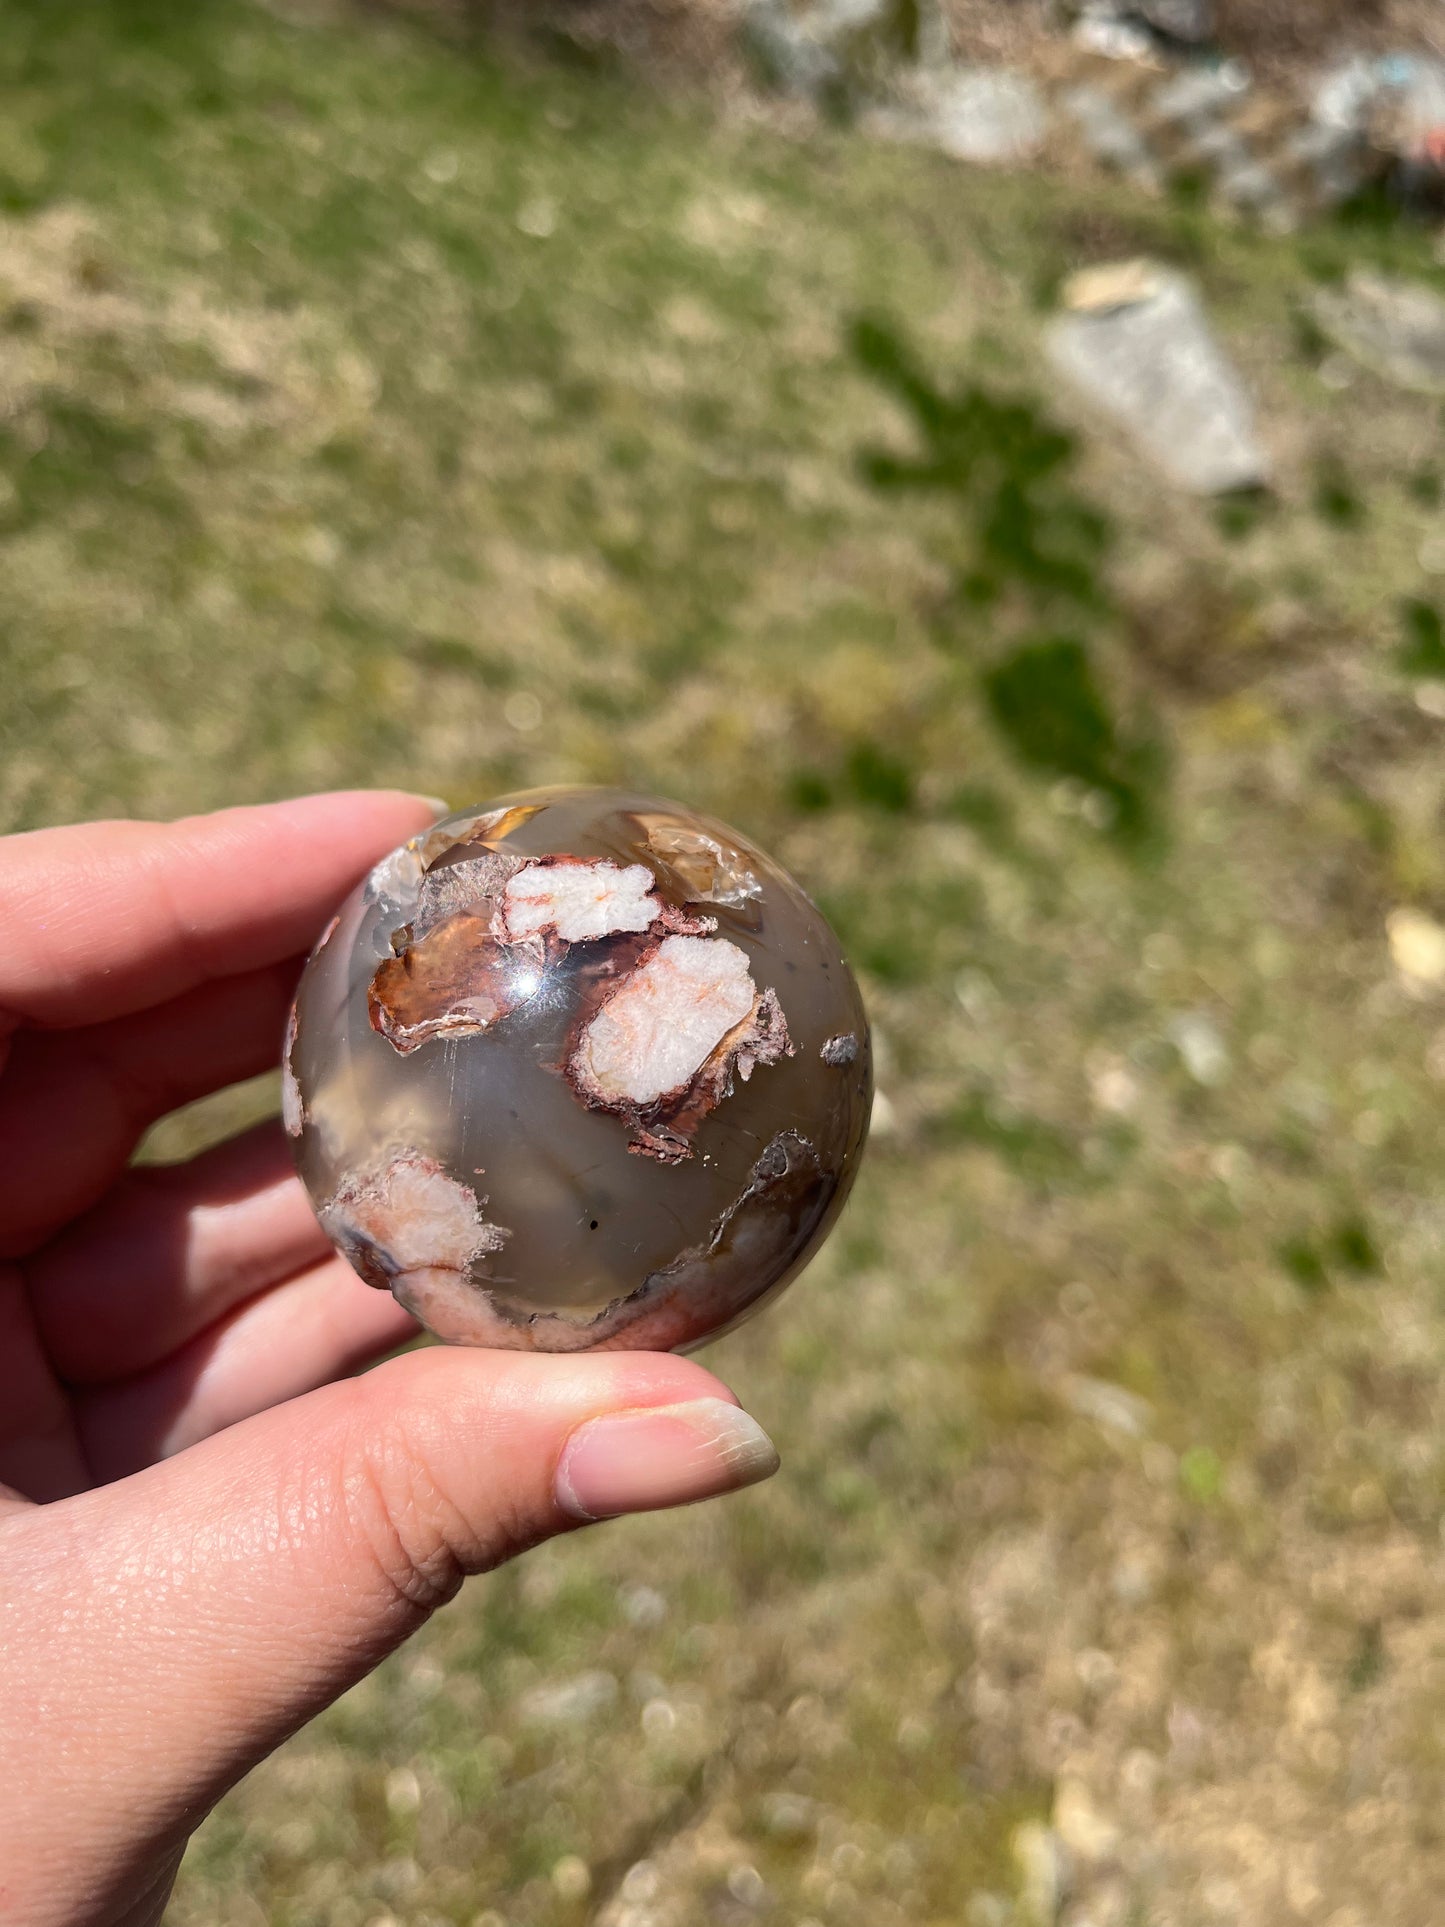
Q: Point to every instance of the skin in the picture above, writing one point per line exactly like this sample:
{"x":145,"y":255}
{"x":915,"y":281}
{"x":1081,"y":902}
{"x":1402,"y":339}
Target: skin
{"x":208,"y":1529}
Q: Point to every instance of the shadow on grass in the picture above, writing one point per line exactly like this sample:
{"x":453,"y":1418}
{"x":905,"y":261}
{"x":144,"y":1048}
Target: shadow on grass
{"x":1031,"y":551}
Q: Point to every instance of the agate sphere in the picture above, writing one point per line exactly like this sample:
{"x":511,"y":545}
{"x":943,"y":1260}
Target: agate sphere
{"x":580,"y":1069}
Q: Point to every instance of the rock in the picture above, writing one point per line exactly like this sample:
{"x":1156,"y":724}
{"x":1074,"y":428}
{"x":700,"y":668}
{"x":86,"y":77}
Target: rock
{"x":989,"y":115}
{"x":1107,"y":1404}
{"x":1396,"y":328}
{"x":1417,"y":946}
{"x":570,"y":1702}
{"x":1190,"y":21}
{"x":1115,"y":38}
{"x":838,"y":50}
{"x":1336,"y":160}
{"x":1195,"y":1035}
{"x":571,"y":1878}
{"x":1197,"y":94}
{"x":1135,"y":29}
{"x":789,"y":51}
{"x":643,"y":1607}
{"x":1109,"y":135}
{"x":1152,"y":364}
{"x":1344,"y":95}
{"x":791,"y":1816}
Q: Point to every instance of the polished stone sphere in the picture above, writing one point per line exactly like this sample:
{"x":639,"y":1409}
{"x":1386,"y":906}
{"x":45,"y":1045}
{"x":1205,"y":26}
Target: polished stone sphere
{"x":578,"y":1070}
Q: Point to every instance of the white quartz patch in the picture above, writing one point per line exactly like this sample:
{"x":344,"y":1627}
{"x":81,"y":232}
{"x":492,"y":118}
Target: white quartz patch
{"x":658,"y":1030}
{"x":578,"y":902}
{"x":411,"y":1216}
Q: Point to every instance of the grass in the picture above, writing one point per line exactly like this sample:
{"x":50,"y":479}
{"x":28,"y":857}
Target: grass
{"x":384,"y":407}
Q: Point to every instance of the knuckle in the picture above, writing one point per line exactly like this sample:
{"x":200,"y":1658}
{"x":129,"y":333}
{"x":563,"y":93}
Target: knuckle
{"x":420,"y":1543}
{"x":429,"y":1515}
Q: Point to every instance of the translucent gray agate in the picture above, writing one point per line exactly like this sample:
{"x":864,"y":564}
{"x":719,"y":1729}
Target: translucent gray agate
{"x":578,"y":1070}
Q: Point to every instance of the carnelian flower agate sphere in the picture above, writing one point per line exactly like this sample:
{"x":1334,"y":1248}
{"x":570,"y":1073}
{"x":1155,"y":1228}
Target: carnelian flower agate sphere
{"x":579,"y":1070}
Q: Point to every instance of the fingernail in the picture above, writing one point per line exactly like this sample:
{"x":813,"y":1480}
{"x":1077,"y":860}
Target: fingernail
{"x":666,"y":1455}
{"x":438,"y":804}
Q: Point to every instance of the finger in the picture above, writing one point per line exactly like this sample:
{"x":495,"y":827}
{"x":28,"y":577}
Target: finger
{"x":167,"y":1252}
{"x":40,"y":1455}
{"x":103,"y":919}
{"x":187,"y":1620}
{"x":284,"y":1342}
{"x":74,"y":1104}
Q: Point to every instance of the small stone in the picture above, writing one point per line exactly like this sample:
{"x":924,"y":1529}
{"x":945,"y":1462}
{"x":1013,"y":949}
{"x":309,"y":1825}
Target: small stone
{"x":1417,"y":946}
{"x":570,"y":1702}
{"x":1193,"y":94}
{"x":1155,"y":25}
{"x":1395,"y":328}
{"x":403,"y":1791}
{"x":1343,"y":97}
{"x":1115,"y":1089}
{"x":1109,"y":1406}
{"x":1190,"y":21}
{"x":792,"y":52}
{"x":1100,"y":30}
{"x":641,"y":1882}
{"x":1109,"y":135}
{"x":571,"y":1878}
{"x":644,"y":1607}
{"x":1196,"y":1037}
{"x":791,"y":1816}
{"x":659,"y":1719}
{"x":538,"y":218}
{"x":747,"y":1887}
{"x":990,"y":116}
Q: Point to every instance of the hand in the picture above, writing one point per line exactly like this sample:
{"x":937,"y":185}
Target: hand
{"x":203,"y":1539}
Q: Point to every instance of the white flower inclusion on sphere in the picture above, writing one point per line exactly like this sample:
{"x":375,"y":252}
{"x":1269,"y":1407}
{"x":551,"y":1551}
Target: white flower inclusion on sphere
{"x":580,"y":1069}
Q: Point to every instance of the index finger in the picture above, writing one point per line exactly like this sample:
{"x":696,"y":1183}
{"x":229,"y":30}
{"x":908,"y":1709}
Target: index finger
{"x":103,"y":919}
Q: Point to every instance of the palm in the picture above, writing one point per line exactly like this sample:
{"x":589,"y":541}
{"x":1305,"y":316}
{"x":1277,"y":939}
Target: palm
{"x":141,"y":1310}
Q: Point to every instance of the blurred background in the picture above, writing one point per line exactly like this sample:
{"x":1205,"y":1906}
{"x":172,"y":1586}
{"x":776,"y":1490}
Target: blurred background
{"x":994,"y":457}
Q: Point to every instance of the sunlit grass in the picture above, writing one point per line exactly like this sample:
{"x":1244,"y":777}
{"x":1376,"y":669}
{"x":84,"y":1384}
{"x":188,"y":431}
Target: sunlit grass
{"x":378,"y":408}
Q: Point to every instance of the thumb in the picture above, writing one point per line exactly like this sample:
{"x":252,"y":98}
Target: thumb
{"x":164,"y":1633}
